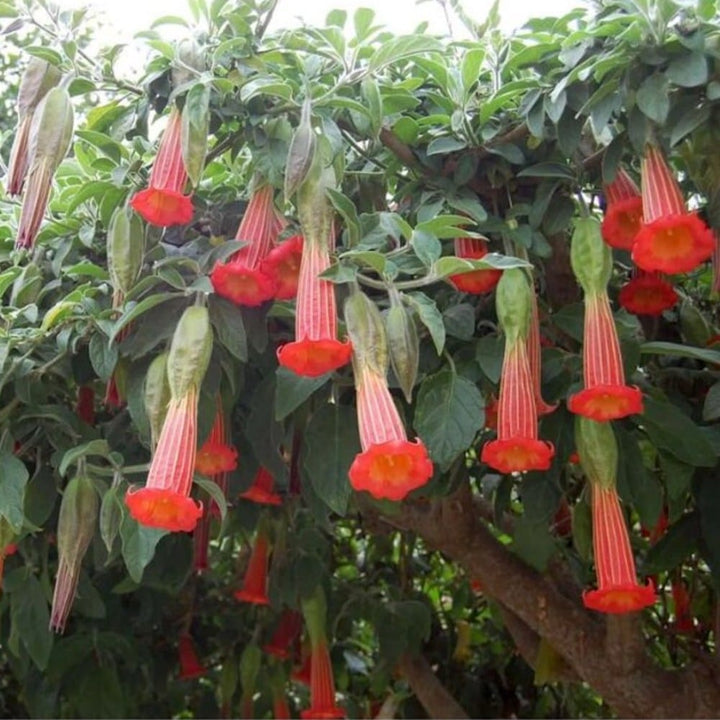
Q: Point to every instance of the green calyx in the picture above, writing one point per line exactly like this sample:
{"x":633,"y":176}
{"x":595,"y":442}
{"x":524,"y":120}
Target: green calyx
{"x":314,"y":610}
{"x":250,"y":661}
{"x":77,"y":518}
{"x":314,"y":209}
{"x":403,"y":343}
{"x":590,"y":257}
{"x":52,"y":128}
{"x":157,"y":395}
{"x":190,"y":351}
{"x":367,"y":332}
{"x":514,"y":304}
{"x":38,"y":78}
{"x":597,"y":447}
{"x":125,"y":249}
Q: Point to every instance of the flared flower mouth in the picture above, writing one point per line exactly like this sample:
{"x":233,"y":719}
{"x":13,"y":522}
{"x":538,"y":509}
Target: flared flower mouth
{"x":252,"y":596}
{"x":283,"y":265}
{"x":518,"y":454}
{"x":607,"y":402}
{"x":214,"y":458}
{"x":323,"y":713}
{"x":162,"y":207}
{"x":618,"y":599}
{"x":390,"y":470}
{"x":190,"y":666}
{"x":312,"y":358}
{"x":241,"y":284}
{"x":476,"y":282}
{"x":647,"y":295}
{"x":673,"y":244}
{"x":622,"y":222}
{"x":154,"y":507}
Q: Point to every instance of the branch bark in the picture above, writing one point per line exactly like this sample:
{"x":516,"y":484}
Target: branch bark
{"x":431,"y":693}
{"x":638,"y":688}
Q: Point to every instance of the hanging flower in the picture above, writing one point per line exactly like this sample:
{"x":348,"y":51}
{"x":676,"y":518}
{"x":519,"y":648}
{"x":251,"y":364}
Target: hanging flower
{"x":389,"y":466}
{"x":285,"y":635}
{"x":647,"y":294}
{"x":201,"y":541}
{"x":242,"y":279}
{"x":316,"y":349}
{"x":605,"y":395}
{"x":517,"y":447}
{"x":671,"y":239}
{"x":215,"y":456}
{"x":254,"y":589}
{"x":163,"y":202}
{"x":165,"y":500}
{"x":261,"y":491}
{"x":190,"y":665}
{"x":684,"y":623}
{"x":624,"y":212}
{"x":301,"y":672}
{"x":618,"y":591}
{"x":85,"y":405}
{"x":475,"y":282}
{"x":283,"y":265}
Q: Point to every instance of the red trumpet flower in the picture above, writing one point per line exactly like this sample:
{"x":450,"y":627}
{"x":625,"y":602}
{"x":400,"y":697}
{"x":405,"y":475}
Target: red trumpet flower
{"x":254,"y":589}
{"x":163,"y":202}
{"x":475,"y":282}
{"x":283,"y":265}
{"x":671,"y":239}
{"x":190,"y":665}
{"x":261,"y":491}
{"x":647,"y":294}
{"x":624,"y":213}
{"x":286,"y":633}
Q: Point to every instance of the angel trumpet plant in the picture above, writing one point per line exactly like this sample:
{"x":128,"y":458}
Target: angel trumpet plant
{"x":618,"y":590}
{"x":316,"y":349}
{"x":605,"y":395}
{"x":517,"y":447}
{"x":624,"y":212}
{"x":389,"y":466}
{"x":165,"y":500}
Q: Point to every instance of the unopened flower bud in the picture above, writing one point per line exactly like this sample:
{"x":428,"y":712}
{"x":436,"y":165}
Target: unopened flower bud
{"x":367,"y":333}
{"x":190,"y":351}
{"x":404,"y":344}
{"x":125,"y":249}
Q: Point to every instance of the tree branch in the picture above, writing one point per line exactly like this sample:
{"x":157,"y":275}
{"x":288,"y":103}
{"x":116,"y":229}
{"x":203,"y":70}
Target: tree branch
{"x":431,"y":693}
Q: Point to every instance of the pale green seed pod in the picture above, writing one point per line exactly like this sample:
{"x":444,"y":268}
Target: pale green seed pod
{"x":52,"y":129}
{"x":301,"y":152}
{"x":125,"y":249}
{"x":597,"y":447}
{"x":590,"y":257}
{"x":403,"y":344}
{"x":190,"y":351}
{"x":77,"y":518}
{"x":156,"y":396}
{"x":514,"y":304}
{"x":367,"y":333}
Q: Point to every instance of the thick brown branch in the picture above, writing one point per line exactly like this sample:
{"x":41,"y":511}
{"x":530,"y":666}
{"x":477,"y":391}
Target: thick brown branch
{"x":431,"y":693}
{"x":451,"y":526}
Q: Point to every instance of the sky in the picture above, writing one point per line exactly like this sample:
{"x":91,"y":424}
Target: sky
{"x":126,"y":17}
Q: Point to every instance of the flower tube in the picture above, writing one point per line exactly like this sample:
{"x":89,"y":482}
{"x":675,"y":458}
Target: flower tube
{"x":254,"y":587}
{"x":624,"y":212}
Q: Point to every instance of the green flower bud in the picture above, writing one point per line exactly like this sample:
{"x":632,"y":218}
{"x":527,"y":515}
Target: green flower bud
{"x":403,"y":343}
{"x":190,"y":62}
{"x":195,"y":129}
{"x":190,"y":351}
{"x":314,"y":209}
{"x":514,"y":303}
{"x":125,"y":249}
{"x":367,"y":333}
{"x":110,"y":516}
{"x":78,"y":515}
{"x":39,"y":77}
{"x":52,"y":129}
{"x":598,"y":451}
{"x":590,"y":257}
{"x":301,"y":152}
{"x":156,"y":396}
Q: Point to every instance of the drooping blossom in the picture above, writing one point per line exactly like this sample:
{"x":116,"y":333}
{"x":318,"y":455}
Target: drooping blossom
{"x":76,"y":527}
{"x":190,"y":665}
{"x":254,"y":587}
{"x":201,"y":542}
{"x":475,"y":282}
{"x":286,"y":633}
{"x":301,"y":670}
{"x":389,"y":466}
{"x":517,"y":447}
{"x":163,"y":202}
{"x":215,"y":456}
{"x":85,"y":404}
{"x":243,"y":279}
{"x":618,"y":590}
{"x":647,"y":293}
{"x":322,"y":683}
{"x":316,"y":349}
{"x":684,"y":623}
{"x":283,"y":265}
{"x":671,"y":239}
{"x":605,"y":395}
{"x":261,"y":491}
{"x":624,"y":212}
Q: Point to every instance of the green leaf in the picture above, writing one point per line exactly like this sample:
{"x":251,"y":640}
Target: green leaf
{"x":449,"y":412}
{"x":533,"y":542}
{"x":635,"y":482}
{"x":445,"y":145}
{"x":227,"y":319}
{"x":292,"y":390}
{"x":30,"y":619}
{"x":426,"y":246}
{"x":653,"y":98}
{"x":688,"y":70}
{"x":111,"y":514}
{"x":195,"y":127}
{"x":548,"y":170}
{"x":451,"y":265}
{"x":135,"y":310}
{"x":430,"y":317}
{"x":665,"y":424}
{"x":688,"y":351}
{"x":274,"y":86}
{"x":711,"y":406}
{"x":94,"y":447}
{"x":674,"y":546}
{"x":470,"y":68}
{"x":103,"y":356}
{"x":332,"y":443}
{"x":489,"y":353}
{"x":138,"y":546}
{"x":215,"y":492}
{"x":346,"y":208}
{"x":13,"y":481}
{"x":399,"y":48}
